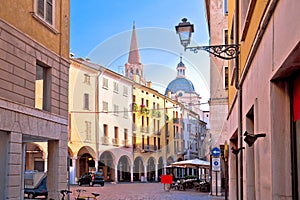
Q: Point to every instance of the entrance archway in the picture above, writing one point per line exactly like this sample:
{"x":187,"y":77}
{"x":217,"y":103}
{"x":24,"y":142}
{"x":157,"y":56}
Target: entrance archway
{"x":86,"y":164}
{"x":160,"y":167}
{"x":151,"y":169}
{"x":138,"y":169}
{"x":124,"y":169}
{"x":106,"y":165}
{"x":85,"y":161}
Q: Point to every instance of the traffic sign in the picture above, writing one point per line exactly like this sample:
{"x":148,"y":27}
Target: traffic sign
{"x":216,"y":152}
{"x":216,"y":164}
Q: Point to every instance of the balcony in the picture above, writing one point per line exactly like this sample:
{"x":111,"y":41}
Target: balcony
{"x":125,"y":143}
{"x":145,"y":129}
{"x":176,"y":121}
{"x":167,"y":133}
{"x":105,"y":140}
{"x":115,"y":141}
{"x":177,"y":135}
{"x":157,"y":132}
{"x":133,"y":127}
{"x":150,"y":148}
{"x":156,"y":114}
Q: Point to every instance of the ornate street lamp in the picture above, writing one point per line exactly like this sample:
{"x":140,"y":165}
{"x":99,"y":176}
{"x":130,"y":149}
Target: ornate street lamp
{"x":185,"y":29}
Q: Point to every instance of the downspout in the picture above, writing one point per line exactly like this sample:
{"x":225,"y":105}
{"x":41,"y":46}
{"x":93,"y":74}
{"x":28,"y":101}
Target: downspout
{"x":97,"y":115}
{"x":239,"y":90}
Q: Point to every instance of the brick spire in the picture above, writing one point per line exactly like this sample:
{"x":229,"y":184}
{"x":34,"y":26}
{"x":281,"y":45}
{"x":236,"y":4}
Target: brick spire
{"x":134,"y":68}
{"x":134,"y":55}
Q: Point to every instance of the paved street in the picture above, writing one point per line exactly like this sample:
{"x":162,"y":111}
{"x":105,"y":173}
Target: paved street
{"x":139,"y":191}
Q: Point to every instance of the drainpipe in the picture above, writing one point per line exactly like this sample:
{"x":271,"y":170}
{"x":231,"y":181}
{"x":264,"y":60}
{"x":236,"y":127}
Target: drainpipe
{"x":239,"y":90}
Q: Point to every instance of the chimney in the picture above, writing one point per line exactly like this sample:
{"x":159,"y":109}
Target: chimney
{"x":149,"y":84}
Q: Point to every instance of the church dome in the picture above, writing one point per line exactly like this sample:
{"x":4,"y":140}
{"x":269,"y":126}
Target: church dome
{"x":180,"y":84}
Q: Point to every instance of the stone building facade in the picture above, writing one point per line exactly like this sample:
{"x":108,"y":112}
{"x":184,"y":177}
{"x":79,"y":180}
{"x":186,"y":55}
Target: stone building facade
{"x":34,"y":67}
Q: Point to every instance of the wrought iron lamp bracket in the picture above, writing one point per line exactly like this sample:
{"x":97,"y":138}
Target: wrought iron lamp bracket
{"x":226,"y":52}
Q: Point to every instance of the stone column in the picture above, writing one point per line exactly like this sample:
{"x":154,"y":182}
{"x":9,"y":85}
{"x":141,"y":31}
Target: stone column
{"x":15,"y":176}
{"x":156,"y":172}
{"x":116,"y":173}
{"x":96,"y":164}
{"x":57,"y":167}
{"x":45,"y":158}
{"x":73,"y":171}
{"x":131,"y":173}
{"x":145,"y":172}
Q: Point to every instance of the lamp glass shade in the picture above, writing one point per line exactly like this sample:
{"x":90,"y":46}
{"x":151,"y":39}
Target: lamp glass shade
{"x":184,"y":30}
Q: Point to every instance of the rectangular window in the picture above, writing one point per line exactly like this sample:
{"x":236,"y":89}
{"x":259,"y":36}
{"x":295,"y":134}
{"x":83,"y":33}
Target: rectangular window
{"x":86,"y":102}
{"x":225,"y":6}
{"x":142,"y":100}
{"x":105,"y":130}
{"x":116,"y":139}
{"x":42,"y":87}
{"x":126,"y":137}
{"x":133,"y":99}
{"x":125,"y":91}
{"x":88,"y":131}
{"x":158,"y":143}
{"x":125,"y":114}
{"x":116,"y":132}
{"x":225,"y":36}
{"x":189,"y":128}
{"x":225,"y":77}
{"x":116,"y":109}
{"x":116,"y":87}
{"x":87,"y":79}
{"x":45,"y":10}
{"x":104,"y":106}
{"x":105,"y":83}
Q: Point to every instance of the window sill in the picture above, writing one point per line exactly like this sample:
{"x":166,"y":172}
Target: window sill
{"x":42,"y":21}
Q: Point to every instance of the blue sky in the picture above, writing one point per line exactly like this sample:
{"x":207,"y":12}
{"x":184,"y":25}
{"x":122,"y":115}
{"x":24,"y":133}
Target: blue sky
{"x":101,"y":31}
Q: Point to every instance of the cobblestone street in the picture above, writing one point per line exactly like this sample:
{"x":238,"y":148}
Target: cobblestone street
{"x":139,"y":191}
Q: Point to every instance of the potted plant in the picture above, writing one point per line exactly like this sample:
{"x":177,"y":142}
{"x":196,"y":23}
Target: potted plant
{"x":144,"y":110}
{"x":134,"y":107}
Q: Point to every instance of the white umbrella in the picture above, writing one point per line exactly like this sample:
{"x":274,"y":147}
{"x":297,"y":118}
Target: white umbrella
{"x":194,"y":163}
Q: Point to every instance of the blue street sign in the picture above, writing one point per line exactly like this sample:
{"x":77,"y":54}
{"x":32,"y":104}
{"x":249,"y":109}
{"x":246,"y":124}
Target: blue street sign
{"x":216,"y":151}
{"x":216,"y":164}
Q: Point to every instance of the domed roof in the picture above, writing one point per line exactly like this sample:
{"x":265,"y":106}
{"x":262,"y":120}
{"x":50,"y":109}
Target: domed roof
{"x":180,"y":84}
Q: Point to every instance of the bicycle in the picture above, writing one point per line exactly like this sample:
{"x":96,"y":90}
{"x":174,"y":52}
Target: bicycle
{"x":95,"y":195}
{"x":63,"y":193}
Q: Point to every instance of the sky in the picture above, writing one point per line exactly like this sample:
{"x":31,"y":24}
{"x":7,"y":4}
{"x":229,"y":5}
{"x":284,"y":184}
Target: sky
{"x":101,"y":31}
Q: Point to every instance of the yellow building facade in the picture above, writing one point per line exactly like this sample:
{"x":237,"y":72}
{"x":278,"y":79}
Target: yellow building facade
{"x":156,"y":121}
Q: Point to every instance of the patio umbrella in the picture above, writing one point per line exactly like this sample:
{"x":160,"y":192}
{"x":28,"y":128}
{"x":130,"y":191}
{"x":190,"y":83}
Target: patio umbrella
{"x":194,"y":163}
